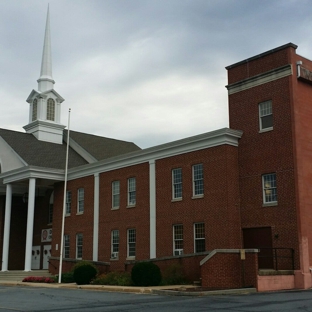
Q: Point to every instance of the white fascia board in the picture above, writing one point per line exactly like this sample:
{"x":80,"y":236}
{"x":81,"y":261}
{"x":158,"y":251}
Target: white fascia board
{"x":223,"y":136}
{"x":55,"y":93}
{"x":32,"y":94}
{"x":32,"y":172}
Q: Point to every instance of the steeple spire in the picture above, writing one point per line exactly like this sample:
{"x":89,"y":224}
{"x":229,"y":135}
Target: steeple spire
{"x":45,"y":81}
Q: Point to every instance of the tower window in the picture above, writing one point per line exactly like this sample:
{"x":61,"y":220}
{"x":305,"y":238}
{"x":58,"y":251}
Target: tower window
{"x":265,"y":115}
{"x":51,"y":110}
{"x":34,"y":110}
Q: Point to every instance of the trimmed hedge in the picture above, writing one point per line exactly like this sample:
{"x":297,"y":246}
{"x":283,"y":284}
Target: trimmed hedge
{"x":84,"y":272}
{"x":146,"y":274}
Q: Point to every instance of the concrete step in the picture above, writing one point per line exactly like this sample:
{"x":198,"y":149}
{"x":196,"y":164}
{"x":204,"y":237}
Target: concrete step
{"x":18,"y":276}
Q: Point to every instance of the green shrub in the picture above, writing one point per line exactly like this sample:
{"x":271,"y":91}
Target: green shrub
{"x":173,"y":275}
{"x":114,"y":278}
{"x":84,"y":272}
{"x":146,"y":274}
{"x":67,"y":277}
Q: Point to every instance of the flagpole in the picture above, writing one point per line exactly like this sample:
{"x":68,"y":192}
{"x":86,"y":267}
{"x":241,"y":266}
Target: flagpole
{"x":64,"y":202}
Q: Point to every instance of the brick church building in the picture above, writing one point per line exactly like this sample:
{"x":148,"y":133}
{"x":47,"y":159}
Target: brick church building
{"x":247,"y":187}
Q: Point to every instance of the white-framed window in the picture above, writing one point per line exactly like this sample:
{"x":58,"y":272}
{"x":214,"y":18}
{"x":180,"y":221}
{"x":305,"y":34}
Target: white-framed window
{"x":66,"y":246}
{"x":115,"y":194}
{"x":51,"y":109}
{"x":266,"y":115}
{"x":177,"y":183}
{"x":115,"y":244}
{"x":68,"y":202}
{"x":80,"y":206}
{"x":269,"y":188}
{"x":131,"y":237}
{"x":199,"y":237}
{"x":50,"y":212}
{"x":34,"y":110}
{"x":198,"y":180}
{"x":79,"y":244}
{"x":131,"y":191}
{"x":177,"y":239}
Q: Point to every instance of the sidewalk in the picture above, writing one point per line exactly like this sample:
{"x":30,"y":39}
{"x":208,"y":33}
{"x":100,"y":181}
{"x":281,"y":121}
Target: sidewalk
{"x":172,"y":290}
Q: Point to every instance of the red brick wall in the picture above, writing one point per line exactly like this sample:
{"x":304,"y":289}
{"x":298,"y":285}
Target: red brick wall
{"x":227,"y":270}
{"x":267,"y":152}
{"x":124,"y":218}
{"x":219,"y":208}
{"x":75,"y":223}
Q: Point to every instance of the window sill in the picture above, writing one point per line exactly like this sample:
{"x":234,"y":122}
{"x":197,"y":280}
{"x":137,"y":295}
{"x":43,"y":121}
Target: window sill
{"x":176,"y":199}
{"x":130,"y":206}
{"x":115,"y":208}
{"x":130,"y":258}
{"x":79,"y":213}
{"x":266,"y":130}
{"x":67,"y":215}
{"x":270,"y":204}
{"x":113,"y":259}
{"x":198,"y":196}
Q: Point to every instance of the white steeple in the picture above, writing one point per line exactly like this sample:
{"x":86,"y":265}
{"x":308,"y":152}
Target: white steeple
{"x":45,"y":81}
{"x":45,"y":104}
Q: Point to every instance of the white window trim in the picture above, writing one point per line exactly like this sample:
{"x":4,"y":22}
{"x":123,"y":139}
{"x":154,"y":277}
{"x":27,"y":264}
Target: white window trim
{"x":68,"y":202}
{"x":78,"y":201}
{"x":193,"y":178}
{"x":66,"y":235}
{"x":112,"y":246}
{"x":196,"y":239}
{"x":77,"y":235}
{"x":260,"y":121}
{"x":115,"y":194}
{"x":128,"y":199}
{"x":173,"y":185}
{"x":180,"y":250}
{"x":128,"y":243}
{"x":268,"y":203}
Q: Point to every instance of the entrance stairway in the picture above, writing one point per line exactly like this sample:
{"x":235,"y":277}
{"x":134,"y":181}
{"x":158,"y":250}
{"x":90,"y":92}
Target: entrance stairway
{"x":18,"y":276}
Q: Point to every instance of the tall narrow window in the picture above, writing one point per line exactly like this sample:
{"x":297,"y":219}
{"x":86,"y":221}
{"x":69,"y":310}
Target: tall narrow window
{"x":198,"y":180}
{"x":80,"y":208}
{"x":265,"y":115}
{"x":115,"y":244}
{"x":51,"y":109}
{"x":269,"y":188}
{"x":131,"y":191}
{"x":177,"y":183}
{"x":50,"y":212}
{"x":66,"y":246}
{"x":34,"y":110}
{"x":115,"y":194}
{"x":178,"y":239}
{"x":199,"y":237}
{"x":131,"y":243}
{"x":68,"y":202}
{"x":79,"y":243}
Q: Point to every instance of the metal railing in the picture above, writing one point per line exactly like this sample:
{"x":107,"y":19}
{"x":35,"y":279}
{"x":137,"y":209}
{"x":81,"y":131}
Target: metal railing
{"x":276,"y":258}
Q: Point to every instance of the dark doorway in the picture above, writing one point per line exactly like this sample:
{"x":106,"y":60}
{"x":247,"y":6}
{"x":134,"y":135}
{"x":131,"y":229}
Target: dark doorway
{"x":260,"y":238}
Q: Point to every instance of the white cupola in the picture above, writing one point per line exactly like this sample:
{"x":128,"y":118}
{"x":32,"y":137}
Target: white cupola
{"x":45,"y":103}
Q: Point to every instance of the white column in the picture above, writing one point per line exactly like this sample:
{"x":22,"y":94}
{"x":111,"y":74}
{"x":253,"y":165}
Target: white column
{"x":30,"y":223}
{"x":152,"y":189}
{"x":7,"y":224}
{"x":96,"y":217}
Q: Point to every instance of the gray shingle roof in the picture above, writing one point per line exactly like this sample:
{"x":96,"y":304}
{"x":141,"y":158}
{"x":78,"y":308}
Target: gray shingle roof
{"x":51,"y":155}
{"x":100,"y":147}
{"x":40,"y":153}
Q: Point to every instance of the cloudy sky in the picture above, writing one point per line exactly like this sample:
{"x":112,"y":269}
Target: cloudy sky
{"x":146,"y":71}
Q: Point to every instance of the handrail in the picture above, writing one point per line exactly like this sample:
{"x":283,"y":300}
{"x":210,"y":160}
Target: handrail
{"x":275,"y":256}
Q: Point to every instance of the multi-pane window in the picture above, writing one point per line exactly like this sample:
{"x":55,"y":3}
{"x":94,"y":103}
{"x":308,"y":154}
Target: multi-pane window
{"x":66,"y":246}
{"x":265,"y":115}
{"x":178,"y":239}
{"x":131,"y":191}
{"x":269,"y":188}
{"x":80,"y":208}
{"x":198,"y":180}
{"x":34,"y":110}
{"x":68,"y":202}
{"x":50,"y":212}
{"x":131,"y":242}
{"x":79,"y":242}
{"x":51,"y":109}
{"x":115,"y":194}
{"x":177,"y":183}
{"x":199,"y":237}
{"x":115,"y":244}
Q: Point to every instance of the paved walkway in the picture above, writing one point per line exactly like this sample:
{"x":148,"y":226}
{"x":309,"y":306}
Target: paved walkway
{"x":173,"y":290}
